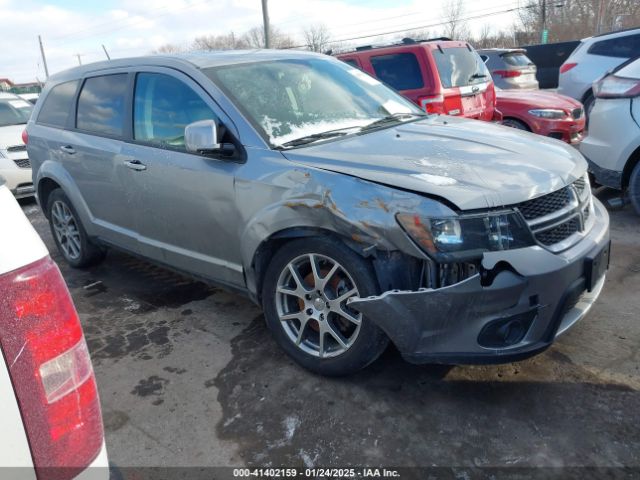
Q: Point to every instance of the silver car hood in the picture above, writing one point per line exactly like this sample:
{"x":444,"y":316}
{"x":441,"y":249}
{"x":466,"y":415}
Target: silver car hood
{"x":471,"y":163}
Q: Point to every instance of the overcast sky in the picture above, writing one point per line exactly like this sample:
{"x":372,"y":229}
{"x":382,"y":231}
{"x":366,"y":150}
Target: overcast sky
{"x":129,"y":28}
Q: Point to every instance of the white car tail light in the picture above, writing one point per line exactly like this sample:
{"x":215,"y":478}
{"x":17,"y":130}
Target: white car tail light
{"x":50,"y":368}
{"x":616,"y":87}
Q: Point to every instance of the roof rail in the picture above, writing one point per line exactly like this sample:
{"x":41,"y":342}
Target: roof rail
{"x":404,"y":41}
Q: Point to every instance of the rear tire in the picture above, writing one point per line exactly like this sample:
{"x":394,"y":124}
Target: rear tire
{"x":513,"y":123}
{"x":634,"y":188}
{"x":305,"y":307}
{"x":69,"y":234}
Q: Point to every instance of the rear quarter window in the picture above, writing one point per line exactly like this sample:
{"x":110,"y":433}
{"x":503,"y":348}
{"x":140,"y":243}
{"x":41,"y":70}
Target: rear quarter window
{"x":400,"y":70}
{"x":620,"y":47}
{"x":56,"y":108}
{"x":352,"y":62}
{"x":459,"y":67}
{"x":101,"y":104}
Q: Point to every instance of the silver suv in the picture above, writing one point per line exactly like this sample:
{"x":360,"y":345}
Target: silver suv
{"x":350,"y":215}
{"x":510,"y":68}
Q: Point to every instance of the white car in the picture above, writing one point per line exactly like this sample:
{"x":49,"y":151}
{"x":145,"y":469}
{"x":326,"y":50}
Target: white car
{"x":594,"y":57}
{"x":49,"y":407}
{"x":14,"y":162}
{"x":30,"y":97}
{"x":613,"y":144}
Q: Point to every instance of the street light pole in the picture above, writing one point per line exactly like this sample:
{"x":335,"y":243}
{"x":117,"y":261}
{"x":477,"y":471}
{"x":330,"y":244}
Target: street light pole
{"x":265,"y":21}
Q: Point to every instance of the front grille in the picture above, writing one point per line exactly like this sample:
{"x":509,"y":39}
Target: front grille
{"x":580,"y":185}
{"x":23,"y":163}
{"x":17,"y":148}
{"x":545,"y":205}
{"x":559,"y":233}
{"x":555,"y":217}
{"x":576,"y":113}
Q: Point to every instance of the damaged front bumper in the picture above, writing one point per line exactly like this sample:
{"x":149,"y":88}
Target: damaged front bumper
{"x":533,"y":297}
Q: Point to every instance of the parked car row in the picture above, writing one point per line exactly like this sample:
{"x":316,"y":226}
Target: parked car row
{"x":14,"y":161}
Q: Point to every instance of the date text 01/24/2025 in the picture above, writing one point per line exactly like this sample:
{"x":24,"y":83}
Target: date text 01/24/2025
{"x":338,"y":473}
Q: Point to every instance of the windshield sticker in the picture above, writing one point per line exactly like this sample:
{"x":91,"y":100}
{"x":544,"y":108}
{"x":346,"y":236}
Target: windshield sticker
{"x":359,"y":74}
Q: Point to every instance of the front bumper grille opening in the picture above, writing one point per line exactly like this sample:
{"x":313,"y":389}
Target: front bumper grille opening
{"x":559,"y":233}
{"x":23,"y":163}
{"x":17,"y":148}
{"x":545,"y":205}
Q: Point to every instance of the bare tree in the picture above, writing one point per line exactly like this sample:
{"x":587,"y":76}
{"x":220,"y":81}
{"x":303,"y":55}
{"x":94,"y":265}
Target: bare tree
{"x":169,"y":48}
{"x":229,"y":41}
{"x":418,"y":34}
{"x":316,"y":37}
{"x":254,"y":38}
{"x":456,"y":27}
{"x":575,"y":19}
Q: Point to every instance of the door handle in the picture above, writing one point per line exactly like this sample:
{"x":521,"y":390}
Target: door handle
{"x":68,"y":149}
{"x":135,"y":165}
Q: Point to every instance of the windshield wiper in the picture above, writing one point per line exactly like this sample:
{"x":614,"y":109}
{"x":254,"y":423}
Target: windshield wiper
{"x":318,"y":136}
{"x":477,"y":75}
{"x":393,"y":118}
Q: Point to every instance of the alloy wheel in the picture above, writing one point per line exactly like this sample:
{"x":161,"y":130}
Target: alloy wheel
{"x":66,"y":230}
{"x":311,"y":296}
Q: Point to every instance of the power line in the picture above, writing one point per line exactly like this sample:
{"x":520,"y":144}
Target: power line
{"x":412,"y":24}
{"x":420,"y":27}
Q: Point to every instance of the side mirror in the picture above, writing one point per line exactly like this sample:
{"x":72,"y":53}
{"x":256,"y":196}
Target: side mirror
{"x":202,"y":137}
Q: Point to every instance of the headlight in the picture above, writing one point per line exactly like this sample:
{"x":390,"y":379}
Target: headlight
{"x":466,"y":237}
{"x":548,"y":113}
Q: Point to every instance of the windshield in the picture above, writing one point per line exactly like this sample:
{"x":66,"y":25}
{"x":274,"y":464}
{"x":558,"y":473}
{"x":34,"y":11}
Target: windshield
{"x":460,"y":67}
{"x":291,"y":99}
{"x":14,"y":111}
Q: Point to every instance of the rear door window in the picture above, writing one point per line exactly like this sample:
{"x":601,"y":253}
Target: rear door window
{"x":400,"y":70}
{"x":163,"y":106}
{"x":101,"y":104}
{"x":57,"y":106}
{"x":620,"y":47}
{"x":459,"y":67}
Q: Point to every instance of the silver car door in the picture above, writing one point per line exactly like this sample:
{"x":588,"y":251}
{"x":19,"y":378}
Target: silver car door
{"x":185,"y":212}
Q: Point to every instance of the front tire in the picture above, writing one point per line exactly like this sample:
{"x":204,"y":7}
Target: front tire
{"x":513,"y":123}
{"x":304,"y":296}
{"x":70,"y":236}
{"x":634,"y":188}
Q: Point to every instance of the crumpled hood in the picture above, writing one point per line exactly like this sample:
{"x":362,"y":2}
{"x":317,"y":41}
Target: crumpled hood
{"x":471,"y":163}
{"x":11,"y":135}
{"x":537,"y":99}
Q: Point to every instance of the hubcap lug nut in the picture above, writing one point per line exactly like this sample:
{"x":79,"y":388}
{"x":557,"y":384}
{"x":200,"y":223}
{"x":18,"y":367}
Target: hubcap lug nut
{"x":309,"y":311}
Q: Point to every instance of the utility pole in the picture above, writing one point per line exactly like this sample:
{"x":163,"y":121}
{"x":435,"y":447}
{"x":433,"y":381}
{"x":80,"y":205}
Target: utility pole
{"x":105,"y":52}
{"x":79,"y":60}
{"x":44,"y":59}
{"x":599,"y":17}
{"x":544,"y":35}
{"x":265,"y":21}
